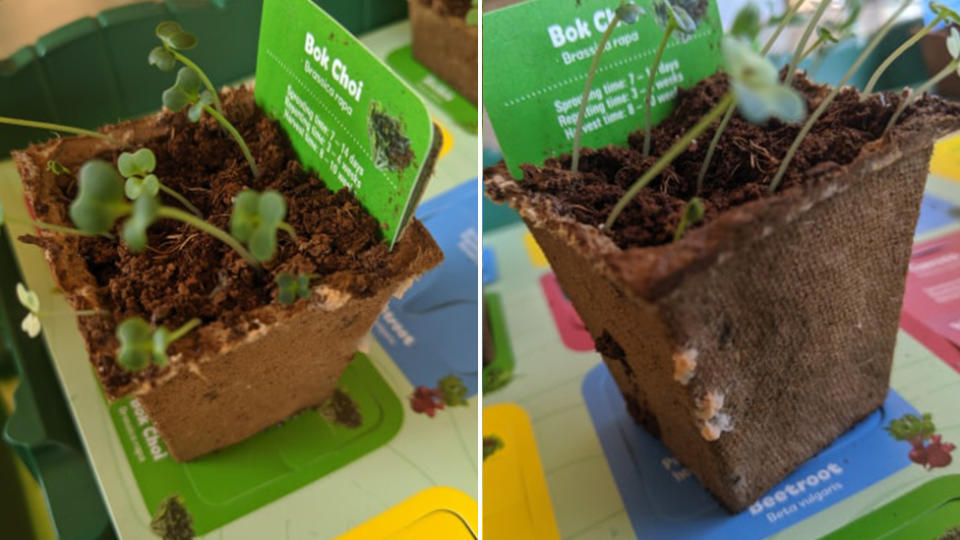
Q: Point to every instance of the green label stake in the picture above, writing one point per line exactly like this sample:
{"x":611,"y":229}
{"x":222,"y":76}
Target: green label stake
{"x":349,"y":118}
{"x":536,"y":57}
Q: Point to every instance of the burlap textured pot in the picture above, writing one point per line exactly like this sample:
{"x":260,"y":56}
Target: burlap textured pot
{"x":763,"y":335}
{"x":445,"y":44}
{"x":245,"y":375}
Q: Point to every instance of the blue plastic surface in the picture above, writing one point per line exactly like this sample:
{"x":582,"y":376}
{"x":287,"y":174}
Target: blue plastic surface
{"x":491,"y":272}
{"x":432,"y":331}
{"x":935,"y":213}
{"x":665,"y":501}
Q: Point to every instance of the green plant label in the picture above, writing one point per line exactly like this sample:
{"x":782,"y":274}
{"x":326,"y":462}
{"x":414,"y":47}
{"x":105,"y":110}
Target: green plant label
{"x":536,"y":57}
{"x":350,"y":119}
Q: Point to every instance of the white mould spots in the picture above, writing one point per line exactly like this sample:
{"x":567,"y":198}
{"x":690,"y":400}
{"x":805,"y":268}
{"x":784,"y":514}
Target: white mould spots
{"x":684,"y":365}
{"x":330,"y":299}
{"x":711,"y":420}
{"x":709,"y":405}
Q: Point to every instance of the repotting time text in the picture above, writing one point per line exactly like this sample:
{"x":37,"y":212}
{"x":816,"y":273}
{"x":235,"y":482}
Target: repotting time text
{"x":545,"y":49}
{"x":336,"y":67}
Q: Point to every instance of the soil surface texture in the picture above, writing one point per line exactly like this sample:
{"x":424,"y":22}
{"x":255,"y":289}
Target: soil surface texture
{"x":186,"y":274}
{"x":746,"y":160}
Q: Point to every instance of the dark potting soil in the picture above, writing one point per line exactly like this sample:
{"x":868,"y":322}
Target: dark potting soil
{"x":186,"y":274}
{"x":455,"y":8}
{"x":746,"y":160}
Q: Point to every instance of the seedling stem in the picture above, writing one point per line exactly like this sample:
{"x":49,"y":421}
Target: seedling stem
{"x":784,"y":21}
{"x":58,"y":127}
{"x":648,"y":99}
{"x":181,"y":199}
{"x":807,"y":33}
{"x":791,"y":153}
{"x":193,"y":221}
{"x":942,"y":15}
{"x":183,"y":330}
{"x":236,"y":136}
{"x":914,"y":95}
{"x":678,"y":148}
{"x":203,"y":77}
{"x":578,"y":136}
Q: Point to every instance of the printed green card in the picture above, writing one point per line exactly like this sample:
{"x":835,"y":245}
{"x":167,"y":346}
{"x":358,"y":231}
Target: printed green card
{"x":536,"y":57}
{"x":350,"y":119}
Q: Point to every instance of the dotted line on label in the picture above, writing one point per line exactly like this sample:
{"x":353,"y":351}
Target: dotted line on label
{"x":583,"y":77}
{"x":343,"y":128}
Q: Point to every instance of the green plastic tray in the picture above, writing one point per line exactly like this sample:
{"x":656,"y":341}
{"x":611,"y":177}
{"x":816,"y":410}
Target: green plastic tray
{"x":926,"y":512}
{"x":94,"y":71}
{"x":41,"y":430}
{"x":89,"y":73}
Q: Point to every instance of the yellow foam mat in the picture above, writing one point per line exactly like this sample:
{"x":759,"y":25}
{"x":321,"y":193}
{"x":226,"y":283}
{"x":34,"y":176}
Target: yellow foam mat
{"x":438,"y":512}
{"x":516,"y":501}
{"x":946,"y":159}
{"x":533,"y":250}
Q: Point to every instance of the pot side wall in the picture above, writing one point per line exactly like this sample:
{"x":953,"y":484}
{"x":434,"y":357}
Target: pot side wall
{"x":794,"y":332}
{"x":447,"y":46}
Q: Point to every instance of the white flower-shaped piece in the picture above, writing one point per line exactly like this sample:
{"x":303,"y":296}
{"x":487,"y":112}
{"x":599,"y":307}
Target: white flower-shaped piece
{"x":953,"y":43}
{"x":28,"y":299}
{"x":756,"y":83}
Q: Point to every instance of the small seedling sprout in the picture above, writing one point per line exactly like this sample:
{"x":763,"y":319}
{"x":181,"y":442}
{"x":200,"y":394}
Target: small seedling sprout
{"x":827,"y":101}
{"x":255,"y":220}
{"x":804,"y":39}
{"x":672,"y":17}
{"x":290,"y":288}
{"x":757,"y":91}
{"x":100,"y":203}
{"x":137,"y":168}
{"x":186,"y":92}
{"x":692,"y":214}
{"x":953,"y":47}
{"x":140,"y":345}
{"x":58,"y":168}
{"x":58,"y":127}
{"x":629,"y":13}
{"x":31,"y":324}
{"x":175,"y":39}
{"x":943,"y":14}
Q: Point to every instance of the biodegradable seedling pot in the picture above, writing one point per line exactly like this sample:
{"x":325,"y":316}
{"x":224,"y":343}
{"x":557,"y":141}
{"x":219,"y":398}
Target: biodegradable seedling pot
{"x":445,"y":43}
{"x":764,"y":334}
{"x":253,"y":362}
